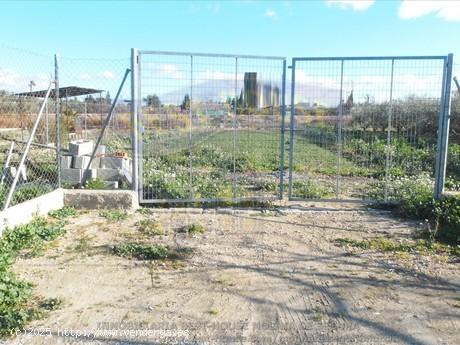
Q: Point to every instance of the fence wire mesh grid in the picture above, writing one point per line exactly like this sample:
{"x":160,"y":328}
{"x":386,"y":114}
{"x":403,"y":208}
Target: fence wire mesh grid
{"x":362,"y":127}
{"x":210,"y":127}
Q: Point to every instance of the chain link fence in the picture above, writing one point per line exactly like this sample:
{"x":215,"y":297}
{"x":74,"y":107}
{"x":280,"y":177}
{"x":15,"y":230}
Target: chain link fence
{"x":21,"y":74}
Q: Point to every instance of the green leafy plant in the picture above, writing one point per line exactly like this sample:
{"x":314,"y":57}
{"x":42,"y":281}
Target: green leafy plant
{"x":95,"y":183}
{"x":114,"y":215}
{"x":17,"y":305}
{"x":150,"y":227}
{"x":193,"y":228}
{"x":64,"y":213}
{"x":142,"y":251}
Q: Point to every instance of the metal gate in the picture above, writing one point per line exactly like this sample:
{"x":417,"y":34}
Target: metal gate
{"x":361,"y":127}
{"x":209,"y":126}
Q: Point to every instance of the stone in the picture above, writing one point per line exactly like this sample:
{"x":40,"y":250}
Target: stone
{"x":66,"y":162}
{"x":109,"y":174}
{"x":81,"y":147}
{"x":73,"y":176}
{"x":97,"y":199}
{"x":80,"y":162}
{"x":115,"y":163}
{"x":100,"y":151}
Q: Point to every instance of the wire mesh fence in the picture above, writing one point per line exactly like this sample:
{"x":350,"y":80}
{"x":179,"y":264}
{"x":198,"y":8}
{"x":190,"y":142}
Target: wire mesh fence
{"x":83,"y":115}
{"x":210,"y":127}
{"x":362,"y":127}
{"x":21,"y":74}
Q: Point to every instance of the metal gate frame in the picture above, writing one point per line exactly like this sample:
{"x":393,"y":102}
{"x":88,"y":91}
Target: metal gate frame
{"x":137,"y":125}
{"x":443,"y":121}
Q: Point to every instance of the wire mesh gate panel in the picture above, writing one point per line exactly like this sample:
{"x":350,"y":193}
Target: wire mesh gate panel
{"x":360,"y":128}
{"x":210,"y":126}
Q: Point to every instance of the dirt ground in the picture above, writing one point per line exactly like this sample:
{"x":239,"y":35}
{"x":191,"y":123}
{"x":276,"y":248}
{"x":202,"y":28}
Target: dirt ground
{"x":253,"y":278}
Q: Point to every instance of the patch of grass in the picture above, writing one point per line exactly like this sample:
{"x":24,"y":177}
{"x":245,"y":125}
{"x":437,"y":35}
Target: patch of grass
{"x":309,"y":190}
{"x":193,"y":228}
{"x":114,"y":215}
{"x":17,"y":304}
{"x":95,"y":183}
{"x":150,"y":227}
{"x":64,"y":213}
{"x":145,"y":211}
{"x":83,"y":245}
{"x":143,"y":251}
{"x":386,"y":245}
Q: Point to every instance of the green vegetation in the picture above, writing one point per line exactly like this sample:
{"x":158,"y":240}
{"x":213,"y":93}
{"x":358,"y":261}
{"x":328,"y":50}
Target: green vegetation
{"x":18,"y":306}
{"x":63,"y":213}
{"x":114,"y":215}
{"x":150,"y":227}
{"x":193,"y":228}
{"x":386,"y":245}
{"x":95,"y":183}
{"x":143,"y":251}
{"x":310,"y":190}
{"x":25,"y":192}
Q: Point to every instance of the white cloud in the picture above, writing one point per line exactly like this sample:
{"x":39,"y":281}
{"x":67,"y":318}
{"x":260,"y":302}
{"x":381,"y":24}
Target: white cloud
{"x":447,"y":10}
{"x":269,"y":13}
{"x":355,"y":5}
{"x":84,"y":76}
{"x":14,"y":82}
{"x":107,"y":75}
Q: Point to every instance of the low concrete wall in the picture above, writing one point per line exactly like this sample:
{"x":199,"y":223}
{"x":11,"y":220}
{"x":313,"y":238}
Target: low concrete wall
{"x":101,"y":199}
{"x":24,"y":212}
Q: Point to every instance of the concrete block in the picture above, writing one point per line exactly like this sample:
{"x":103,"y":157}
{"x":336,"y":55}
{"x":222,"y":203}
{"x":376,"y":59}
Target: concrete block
{"x":97,"y":199}
{"x":81,"y":147}
{"x":89,"y":174}
{"x":100,"y":151}
{"x":115,"y":163}
{"x":66,"y":162}
{"x":71,"y":175}
{"x":109,"y":174}
{"x":80,"y":162}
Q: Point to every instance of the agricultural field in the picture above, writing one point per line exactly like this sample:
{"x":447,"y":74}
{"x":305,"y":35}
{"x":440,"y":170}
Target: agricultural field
{"x":306,"y":273}
{"x":202,"y":165}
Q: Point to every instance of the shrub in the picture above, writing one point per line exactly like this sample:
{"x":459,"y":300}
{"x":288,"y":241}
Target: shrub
{"x":142,"y":251}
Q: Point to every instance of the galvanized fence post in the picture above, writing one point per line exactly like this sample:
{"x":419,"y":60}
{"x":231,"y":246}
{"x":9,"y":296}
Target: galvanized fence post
{"x":443,"y":129}
{"x":339,"y":133}
{"x":291,"y":127}
{"x":57,"y":119}
{"x":388,"y":148}
{"x":282,"y":128}
{"x":135,"y":118}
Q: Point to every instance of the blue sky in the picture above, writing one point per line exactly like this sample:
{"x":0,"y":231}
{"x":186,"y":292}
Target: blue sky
{"x":287,"y":28}
{"x":108,"y":29}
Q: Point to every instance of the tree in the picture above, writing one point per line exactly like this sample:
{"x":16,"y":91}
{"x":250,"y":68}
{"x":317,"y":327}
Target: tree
{"x":108,"y":100}
{"x":185,"y":103}
{"x":153,"y":101}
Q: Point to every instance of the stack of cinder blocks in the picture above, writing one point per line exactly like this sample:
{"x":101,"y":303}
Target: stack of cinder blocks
{"x":111,"y":170}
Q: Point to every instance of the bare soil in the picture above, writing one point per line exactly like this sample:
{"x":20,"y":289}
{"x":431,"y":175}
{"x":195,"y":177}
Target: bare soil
{"x":253,"y":278}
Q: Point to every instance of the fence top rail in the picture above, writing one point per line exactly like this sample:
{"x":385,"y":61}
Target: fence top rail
{"x":344,"y":58}
{"x":157,"y":52}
